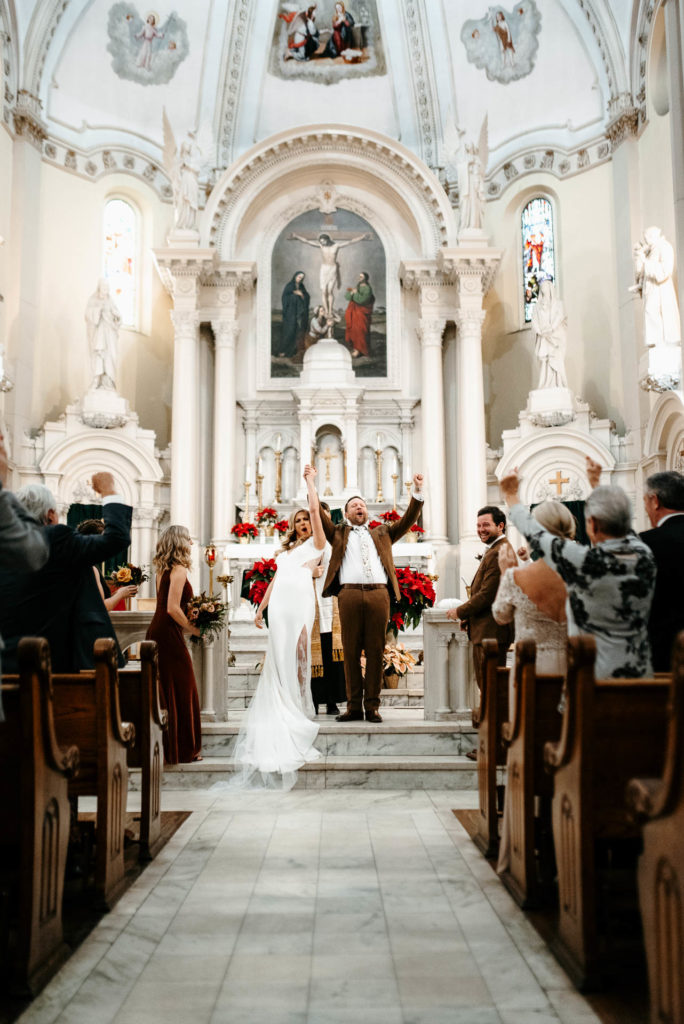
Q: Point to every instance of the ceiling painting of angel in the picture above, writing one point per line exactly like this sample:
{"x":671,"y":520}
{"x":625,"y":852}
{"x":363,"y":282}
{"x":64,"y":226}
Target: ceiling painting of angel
{"x":146,"y":48}
{"x":504,"y":43}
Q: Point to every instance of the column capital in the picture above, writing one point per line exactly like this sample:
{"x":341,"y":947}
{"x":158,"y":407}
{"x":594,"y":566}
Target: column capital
{"x":625,"y":122}
{"x":185,"y":322}
{"x":430,"y":330}
{"x":28,"y":122}
{"x":226,"y":333}
{"x":469,"y":321}
{"x":472,"y":268}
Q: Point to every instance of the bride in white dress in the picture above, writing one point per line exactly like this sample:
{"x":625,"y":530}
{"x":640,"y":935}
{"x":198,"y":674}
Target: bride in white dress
{"x":277,"y":734}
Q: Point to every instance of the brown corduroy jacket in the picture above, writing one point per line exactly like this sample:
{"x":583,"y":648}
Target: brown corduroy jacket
{"x":477,"y":611}
{"x":383,"y":536}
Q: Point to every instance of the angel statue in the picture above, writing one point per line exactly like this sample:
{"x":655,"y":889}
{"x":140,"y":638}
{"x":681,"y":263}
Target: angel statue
{"x":471,"y":175}
{"x":184,"y":164}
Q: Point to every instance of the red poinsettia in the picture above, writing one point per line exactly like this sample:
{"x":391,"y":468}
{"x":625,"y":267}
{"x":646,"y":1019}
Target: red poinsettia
{"x":417,"y":594}
{"x":256,"y":580}
{"x":265,"y":516}
{"x":390,"y":517}
{"x":373,"y":523}
{"x":416,"y":529}
{"x":281,"y":526}
{"x":245,"y":530}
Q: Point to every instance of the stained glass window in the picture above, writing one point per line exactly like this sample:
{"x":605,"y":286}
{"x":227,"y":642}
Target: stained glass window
{"x":120,"y":257}
{"x":538,"y":250}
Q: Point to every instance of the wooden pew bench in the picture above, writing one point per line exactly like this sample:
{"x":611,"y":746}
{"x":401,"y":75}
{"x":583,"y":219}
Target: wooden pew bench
{"x":612,"y":729}
{"x":87,"y":714}
{"x":34,"y":825}
{"x":139,"y":699}
{"x":491,"y":754}
{"x":529,"y":873}
{"x":658,"y":803}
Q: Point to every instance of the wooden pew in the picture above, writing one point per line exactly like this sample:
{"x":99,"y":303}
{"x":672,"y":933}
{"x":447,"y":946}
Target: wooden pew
{"x":34,"y":824}
{"x":659,"y":805}
{"x":139,"y":697}
{"x":611,"y":729}
{"x":87,"y":714}
{"x":488,"y":718}
{"x":535,"y":721}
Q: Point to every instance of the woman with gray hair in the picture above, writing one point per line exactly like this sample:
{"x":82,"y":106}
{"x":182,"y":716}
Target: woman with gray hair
{"x":610,"y":585}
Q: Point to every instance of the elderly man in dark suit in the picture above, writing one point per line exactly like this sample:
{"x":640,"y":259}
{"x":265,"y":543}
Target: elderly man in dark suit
{"x":360,"y":571}
{"x":475,"y":614}
{"x":42,"y":603}
{"x":664,"y":501}
{"x":22,"y":542}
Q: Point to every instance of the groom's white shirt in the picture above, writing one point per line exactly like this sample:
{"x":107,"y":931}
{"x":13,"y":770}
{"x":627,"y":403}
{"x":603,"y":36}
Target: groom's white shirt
{"x":355,"y":567}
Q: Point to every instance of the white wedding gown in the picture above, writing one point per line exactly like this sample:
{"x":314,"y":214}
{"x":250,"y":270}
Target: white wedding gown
{"x":277,"y":734}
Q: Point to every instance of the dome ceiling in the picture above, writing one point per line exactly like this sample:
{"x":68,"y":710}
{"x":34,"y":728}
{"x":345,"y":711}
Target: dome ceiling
{"x":104,"y":70}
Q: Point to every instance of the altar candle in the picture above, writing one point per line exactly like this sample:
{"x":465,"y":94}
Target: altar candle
{"x":378,"y":438}
{"x":248,"y":473}
{"x":261,"y":467}
{"x":278,"y":439}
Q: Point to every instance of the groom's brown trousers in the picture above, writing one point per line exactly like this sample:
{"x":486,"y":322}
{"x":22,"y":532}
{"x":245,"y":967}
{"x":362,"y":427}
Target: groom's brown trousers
{"x":364,"y":614}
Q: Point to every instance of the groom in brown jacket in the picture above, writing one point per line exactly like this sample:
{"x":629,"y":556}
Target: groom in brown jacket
{"x":360,"y":573}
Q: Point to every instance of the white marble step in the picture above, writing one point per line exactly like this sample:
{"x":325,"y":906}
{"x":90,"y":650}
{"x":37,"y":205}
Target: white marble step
{"x":400,"y":736}
{"x":379,"y":771}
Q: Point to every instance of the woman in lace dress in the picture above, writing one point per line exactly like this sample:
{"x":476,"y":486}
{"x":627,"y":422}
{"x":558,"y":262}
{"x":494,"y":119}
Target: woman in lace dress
{"x":534,"y":597}
{"x":277,"y":735}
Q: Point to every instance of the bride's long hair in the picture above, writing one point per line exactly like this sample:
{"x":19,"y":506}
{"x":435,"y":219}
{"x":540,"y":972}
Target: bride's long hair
{"x":291,"y":539}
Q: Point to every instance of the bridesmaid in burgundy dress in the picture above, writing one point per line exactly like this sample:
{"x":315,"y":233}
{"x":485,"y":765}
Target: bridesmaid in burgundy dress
{"x":183,"y":737}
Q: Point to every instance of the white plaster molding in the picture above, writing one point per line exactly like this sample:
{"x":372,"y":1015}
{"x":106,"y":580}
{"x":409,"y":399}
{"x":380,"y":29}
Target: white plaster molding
{"x":237,"y":37}
{"x":641,"y":37}
{"x":9,"y":53}
{"x":665,"y":422}
{"x":44,"y":21}
{"x":94,"y":164}
{"x":604,"y":30}
{"x":389,"y":165}
{"x":183,"y":271}
{"x":422,"y":77}
{"x":559,"y":161}
{"x":27,"y":119}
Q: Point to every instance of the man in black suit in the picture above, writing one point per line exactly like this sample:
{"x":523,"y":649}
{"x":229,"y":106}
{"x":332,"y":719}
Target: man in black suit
{"x":42,"y":603}
{"x":664,"y":501}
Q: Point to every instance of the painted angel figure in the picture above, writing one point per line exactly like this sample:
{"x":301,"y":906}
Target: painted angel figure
{"x":148,"y":34}
{"x":184,"y":164}
{"x":471,"y":183}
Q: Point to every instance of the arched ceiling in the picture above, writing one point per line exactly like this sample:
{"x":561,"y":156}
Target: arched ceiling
{"x":61,"y":53}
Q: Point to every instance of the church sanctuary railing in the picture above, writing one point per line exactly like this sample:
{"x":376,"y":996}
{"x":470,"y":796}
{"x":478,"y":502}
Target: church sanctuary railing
{"x":450,"y":688}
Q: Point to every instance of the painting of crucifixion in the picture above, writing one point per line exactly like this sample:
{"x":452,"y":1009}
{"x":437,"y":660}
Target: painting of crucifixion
{"x":328,"y":281}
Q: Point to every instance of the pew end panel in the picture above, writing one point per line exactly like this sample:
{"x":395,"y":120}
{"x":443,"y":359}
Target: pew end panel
{"x":658,"y":803}
{"x":490,"y":753}
{"x":34,"y":776}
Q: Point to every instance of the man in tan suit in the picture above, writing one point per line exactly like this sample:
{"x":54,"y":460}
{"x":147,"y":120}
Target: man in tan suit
{"x":476,"y":614}
{"x":360,"y":571}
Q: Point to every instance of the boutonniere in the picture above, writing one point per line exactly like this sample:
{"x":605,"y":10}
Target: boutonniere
{"x":479,"y":557}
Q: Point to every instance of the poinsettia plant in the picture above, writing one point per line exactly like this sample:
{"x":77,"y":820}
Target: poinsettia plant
{"x":417,"y":594}
{"x":373,"y":523}
{"x":390,"y":517}
{"x":244,"y":530}
{"x":266,"y":516}
{"x":281,"y":526}
{"x":416,"y":529}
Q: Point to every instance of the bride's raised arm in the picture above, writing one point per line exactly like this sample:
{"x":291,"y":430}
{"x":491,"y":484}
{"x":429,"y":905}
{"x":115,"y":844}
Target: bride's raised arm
{"x":314,"y":508}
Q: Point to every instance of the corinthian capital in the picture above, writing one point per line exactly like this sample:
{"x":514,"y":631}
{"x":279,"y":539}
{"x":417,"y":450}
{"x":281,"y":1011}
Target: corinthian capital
{"x":469,"y":321}
{"x":226,"y":333}
{"x":429,"y":331}
{"x":185,"y":322}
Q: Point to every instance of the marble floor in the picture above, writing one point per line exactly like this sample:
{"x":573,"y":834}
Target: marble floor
{"x":314,"y":907}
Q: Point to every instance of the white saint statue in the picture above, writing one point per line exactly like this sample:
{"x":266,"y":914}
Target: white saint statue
{"x":184,"y":164}
{"x":330,"y":268}
{"x":103,"y":321}
{"x":550,"y":326}
{"x":653,"y":269}
{"x":471,"y":182}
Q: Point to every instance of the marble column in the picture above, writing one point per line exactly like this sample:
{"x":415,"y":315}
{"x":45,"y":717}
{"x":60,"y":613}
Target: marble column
{"x":433,"y":466}
{"x":226,"y":333}
{"x":674,"y":32}
{"x":472,"y":466}
{"x":352,"y":444}
{"x":248,"y":471}
{"x":185,"y":422}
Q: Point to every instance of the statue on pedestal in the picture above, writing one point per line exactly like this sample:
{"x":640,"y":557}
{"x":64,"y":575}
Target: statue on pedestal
{"x":183,"y":165}
{"x":103,"y":322}
{"x":653,"y":269}
{"x":550,"y":326}
{"x":471,"y":179}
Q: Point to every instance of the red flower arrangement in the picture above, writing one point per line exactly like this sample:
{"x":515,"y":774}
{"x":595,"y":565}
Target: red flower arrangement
{"x":390,"y":517}
{"x":417,"y":594}
{"x":416,"y":529}
{"x":266,"y":516}
{"x":256,"y":580}
{"x":281,"y":526}
{"x":373,"y":523}
{"x":244,"y":530}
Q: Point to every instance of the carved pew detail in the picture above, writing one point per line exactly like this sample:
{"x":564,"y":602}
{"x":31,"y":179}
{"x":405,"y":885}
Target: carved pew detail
{"x":139,"y":696}
{"x":34,"y":835}
{"x":610,"y":728}
{"x":535,"y":721}
{"x":87,"y":713}
{"x":488,"y":718}
{"x":659,"y":805}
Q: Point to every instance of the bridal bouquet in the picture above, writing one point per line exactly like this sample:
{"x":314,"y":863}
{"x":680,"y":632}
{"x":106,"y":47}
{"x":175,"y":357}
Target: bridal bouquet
{"x":128,"y":575}
{"x":417,"y":594}
{"x":208,"y":613}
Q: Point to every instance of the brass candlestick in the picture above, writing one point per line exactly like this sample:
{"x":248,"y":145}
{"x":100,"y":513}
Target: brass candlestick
{"x":378,"y":464}
{"x":408,"y":484}
{"x":395,"y":477}
{"x":260,"y":490}
{"x":210,"y":559}
{"x":279,"y":474}
{"x":327,"y":455}
{"x":225,"y":581}
{"x":245,"y":516}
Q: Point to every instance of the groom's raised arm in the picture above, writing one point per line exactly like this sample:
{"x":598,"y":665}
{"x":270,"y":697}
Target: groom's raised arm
{"x":410,"y":516}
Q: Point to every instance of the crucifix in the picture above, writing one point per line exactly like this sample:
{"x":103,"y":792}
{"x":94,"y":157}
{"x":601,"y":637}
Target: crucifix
{"x":559,"y":480}
{"x":329,"y":244}
{"x":327,"y":455}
